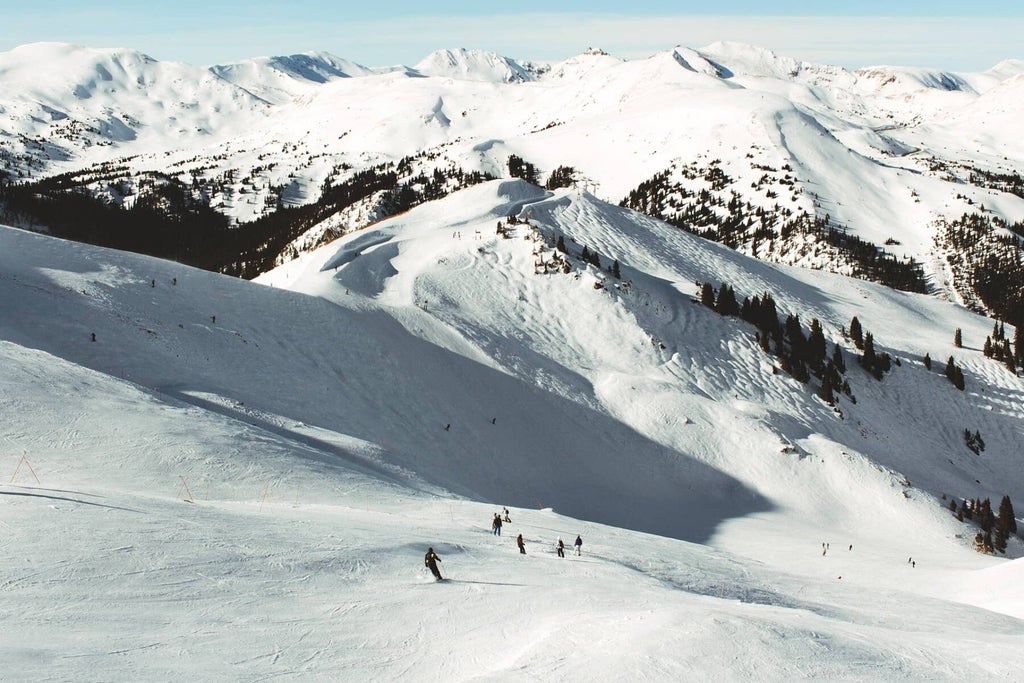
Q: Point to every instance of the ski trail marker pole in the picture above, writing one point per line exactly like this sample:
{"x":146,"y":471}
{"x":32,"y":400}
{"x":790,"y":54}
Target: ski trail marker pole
{"x":24,"y":459}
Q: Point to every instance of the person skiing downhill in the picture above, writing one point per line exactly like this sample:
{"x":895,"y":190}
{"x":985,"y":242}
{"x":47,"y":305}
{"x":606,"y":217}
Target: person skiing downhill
{"x":519,"y":542}
{"x":578,"y":544}
{"x":431,"y":559}
{"x":560,"y":547}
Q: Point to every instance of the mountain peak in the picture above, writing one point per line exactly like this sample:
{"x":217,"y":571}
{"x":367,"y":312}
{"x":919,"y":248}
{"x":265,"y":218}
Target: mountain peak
{"x":473,"y":65}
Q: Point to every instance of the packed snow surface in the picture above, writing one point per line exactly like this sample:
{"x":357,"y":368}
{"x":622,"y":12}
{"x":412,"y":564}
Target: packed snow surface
{"x":239,"y":480}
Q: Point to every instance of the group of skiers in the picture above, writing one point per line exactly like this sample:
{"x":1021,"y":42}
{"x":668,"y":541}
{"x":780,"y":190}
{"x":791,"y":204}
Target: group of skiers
{"x":431,"y":558}
{"x":497,"y":521}
{"x":559,"y":545}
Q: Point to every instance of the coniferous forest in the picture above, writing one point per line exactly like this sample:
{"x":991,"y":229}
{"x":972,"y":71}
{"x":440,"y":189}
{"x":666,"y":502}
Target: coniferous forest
{"x":169,"y":221}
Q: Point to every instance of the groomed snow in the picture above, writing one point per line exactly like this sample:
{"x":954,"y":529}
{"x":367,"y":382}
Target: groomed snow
{"x":307,"y":415}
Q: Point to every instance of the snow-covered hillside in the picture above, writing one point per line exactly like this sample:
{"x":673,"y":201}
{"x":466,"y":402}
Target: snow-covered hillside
{"x":391,"y":390}
{"x":888,"y":155}
{"x":282,"y":79}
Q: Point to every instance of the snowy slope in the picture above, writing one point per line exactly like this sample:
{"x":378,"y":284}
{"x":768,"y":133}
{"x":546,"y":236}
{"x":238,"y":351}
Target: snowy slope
{"x":308,"y":413}
{"x":66,"y":102}
{"x":887,"y":152}
{"x":281,"y":79}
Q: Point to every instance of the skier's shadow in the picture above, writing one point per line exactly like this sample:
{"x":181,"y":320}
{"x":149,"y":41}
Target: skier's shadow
{"x":485,"y":583}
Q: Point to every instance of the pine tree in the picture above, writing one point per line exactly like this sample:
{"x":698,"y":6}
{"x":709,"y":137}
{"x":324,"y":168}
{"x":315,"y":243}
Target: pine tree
{"x":707,"y":295}
{"x":983,"y":542}
{"x":999,"y":541}
{"x":560,"y":245}
{"x":986,"y":520}
{"x":816,"y":345}
{"x":987,"y":347}
{"x":837,"y":359}
{"x":795,"y":335}
{"x":615,"y":270}
{"x":856,"y":333}
{"x":1006,"y":516}
{"x":951,"y":370}
{"x":869,"y":361}
{"x":958,"y":339}
{"x":726,"y":302}
{"x":927,"y":361}
{"x":827,"y":394}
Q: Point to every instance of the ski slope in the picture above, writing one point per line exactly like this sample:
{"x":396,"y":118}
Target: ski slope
{"x":304,"y":418}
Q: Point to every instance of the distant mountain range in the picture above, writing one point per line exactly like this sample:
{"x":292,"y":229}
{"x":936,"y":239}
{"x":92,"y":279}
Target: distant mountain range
{"x":873,"y":173}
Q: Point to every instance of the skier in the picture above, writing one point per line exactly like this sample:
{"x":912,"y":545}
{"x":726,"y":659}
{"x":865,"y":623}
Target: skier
{"x":496,"y":524}
{"x":431,"y":559}
{"x":507,"y":519}
{"x":560,"y":547}
{"x":519,"y":542}
{"x":578,"y":544}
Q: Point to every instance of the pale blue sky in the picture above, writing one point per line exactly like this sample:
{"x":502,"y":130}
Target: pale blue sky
{"x":950,"y":35}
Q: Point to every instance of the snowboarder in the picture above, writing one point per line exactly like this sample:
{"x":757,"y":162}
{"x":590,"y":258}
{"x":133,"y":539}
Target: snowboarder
{"x":519,"y":542}
{"x":578,"y":544}
{"x":496,"y":525}
{"x":431,"y":559}
{"x":560,"y":547}
{"x":507,"y":518}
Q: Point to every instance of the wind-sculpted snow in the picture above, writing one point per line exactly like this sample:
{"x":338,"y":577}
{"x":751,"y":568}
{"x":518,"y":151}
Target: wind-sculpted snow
{"x":337,"y":383}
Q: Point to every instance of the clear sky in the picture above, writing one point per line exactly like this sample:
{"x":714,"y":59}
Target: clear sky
{"x":939,"y":33}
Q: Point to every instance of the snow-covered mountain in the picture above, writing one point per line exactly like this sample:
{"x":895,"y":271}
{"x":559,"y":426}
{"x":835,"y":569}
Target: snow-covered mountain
{"x":391,"y":390}
{"x":63,"y":101}
{"x":476,"y":65}
{"x":873,"y":173}
{"x":282,"y":79}
{"x":714,"y":139}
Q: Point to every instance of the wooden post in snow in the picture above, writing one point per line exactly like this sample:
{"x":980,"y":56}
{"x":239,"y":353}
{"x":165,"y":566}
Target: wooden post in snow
{"x":24,"y":459}
{"x":184,"y":487}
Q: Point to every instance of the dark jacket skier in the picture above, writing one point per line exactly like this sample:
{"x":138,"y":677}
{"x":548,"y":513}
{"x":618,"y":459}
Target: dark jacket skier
{"x":496,"y":525}
{"x":578,"y":544}
{"x":431,"y":559}
{"x":560,"y":547}
{"x":519,"y":542}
